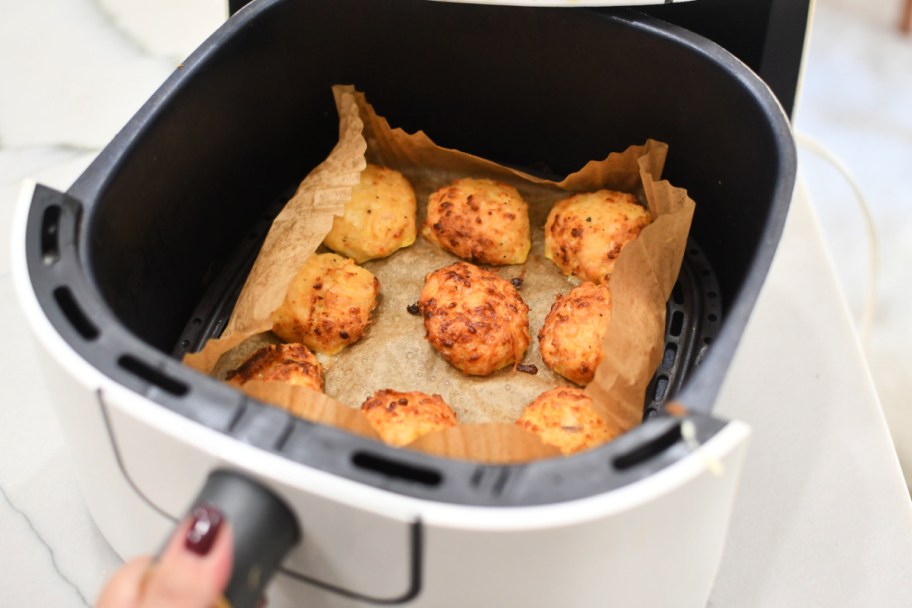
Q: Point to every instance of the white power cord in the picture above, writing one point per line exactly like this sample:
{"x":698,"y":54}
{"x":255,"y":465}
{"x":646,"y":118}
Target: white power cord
{"x":867,"y":313}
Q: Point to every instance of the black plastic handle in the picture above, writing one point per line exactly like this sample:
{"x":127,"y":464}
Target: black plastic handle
{"x":264,"y":530}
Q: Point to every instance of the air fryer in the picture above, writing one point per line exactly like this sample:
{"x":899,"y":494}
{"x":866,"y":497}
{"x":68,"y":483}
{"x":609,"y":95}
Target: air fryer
{"x":141,"y":259}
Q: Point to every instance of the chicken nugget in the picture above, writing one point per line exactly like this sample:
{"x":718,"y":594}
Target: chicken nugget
{"x":290,"y":363}
{"x":378,"y":220}
{"x":584,"y":234}
{"x":476,"y":320}
{"x":479,"y":220}
{"x":401,"y":418}
{"x":565,"y":418}
{"x":328,"y":304}
{"x":570,"y":339}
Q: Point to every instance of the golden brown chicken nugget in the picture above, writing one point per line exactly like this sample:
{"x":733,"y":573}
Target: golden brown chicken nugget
{"x":585,"y":233}
{"x":570,"y":339}
{"x":290,"y":363}
{"x":474,"y":318}
{"x":328,"y":305}
{"x":479,"y":220}
{"x":565,"y":418}
{"x":378,"y":220}
{"x":401,"y":418}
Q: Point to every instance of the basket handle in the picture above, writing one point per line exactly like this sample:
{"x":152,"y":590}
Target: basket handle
{"x":263,"y":527}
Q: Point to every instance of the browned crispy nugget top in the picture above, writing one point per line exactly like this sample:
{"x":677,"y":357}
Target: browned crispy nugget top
{"x":290,"y":363}
{"x":571,"y":336}
{"x":378,"y":220}
{"x":476,"y":320}
{"x":400,"y":418}
{"x":328,"y":305}
{"x":479,"y":220}
{"x":584,"y":234}
{"x":565,"y":418}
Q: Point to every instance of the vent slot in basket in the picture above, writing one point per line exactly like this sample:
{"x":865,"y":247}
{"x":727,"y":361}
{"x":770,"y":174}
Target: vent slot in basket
{"x":650,"y":449}
{"x":50,"y":239}
{"x":74,"y":313}
{"x":153,"y":376}
{"x":397,"y":469}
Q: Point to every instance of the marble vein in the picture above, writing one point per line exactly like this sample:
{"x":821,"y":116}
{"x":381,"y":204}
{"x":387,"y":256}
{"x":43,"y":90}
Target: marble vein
{"x":40,"y":538}
{"x":110,"y":20}
{"x":80,"y":89}
{"x":20,"y":162}
{"x":63,"y":147}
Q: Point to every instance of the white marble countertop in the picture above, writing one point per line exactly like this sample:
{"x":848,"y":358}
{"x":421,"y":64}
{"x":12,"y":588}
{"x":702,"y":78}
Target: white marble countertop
{"x":822,"y":517}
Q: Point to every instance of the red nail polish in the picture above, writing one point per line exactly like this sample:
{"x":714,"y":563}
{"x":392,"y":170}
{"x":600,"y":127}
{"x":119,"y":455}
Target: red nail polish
{"x":204,"y":527}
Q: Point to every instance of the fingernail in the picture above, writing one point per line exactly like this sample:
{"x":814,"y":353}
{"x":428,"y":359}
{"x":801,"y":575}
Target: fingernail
{"x":204,"y":527}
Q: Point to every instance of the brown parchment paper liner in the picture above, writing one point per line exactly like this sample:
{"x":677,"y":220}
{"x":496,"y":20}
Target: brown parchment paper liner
{"x":294,"y":235}
{"x":394,"y":353}
{"x":303,"y":223}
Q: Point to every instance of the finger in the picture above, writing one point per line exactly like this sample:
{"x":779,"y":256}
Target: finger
{"x":195,"y":566}
{"x":123,"y":589}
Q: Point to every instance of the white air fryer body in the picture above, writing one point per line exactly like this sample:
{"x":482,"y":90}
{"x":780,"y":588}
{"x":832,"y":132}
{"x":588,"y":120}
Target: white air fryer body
{"x":654,"y":543}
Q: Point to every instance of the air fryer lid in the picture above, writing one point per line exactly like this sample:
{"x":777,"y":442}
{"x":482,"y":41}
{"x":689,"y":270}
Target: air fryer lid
{"x":122,"y":261}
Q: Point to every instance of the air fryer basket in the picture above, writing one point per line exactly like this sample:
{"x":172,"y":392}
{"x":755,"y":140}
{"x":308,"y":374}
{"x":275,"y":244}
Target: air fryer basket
{"x":141,"y":259}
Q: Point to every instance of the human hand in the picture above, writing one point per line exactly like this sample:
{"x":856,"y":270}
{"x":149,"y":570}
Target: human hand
{"x":191,"y":572}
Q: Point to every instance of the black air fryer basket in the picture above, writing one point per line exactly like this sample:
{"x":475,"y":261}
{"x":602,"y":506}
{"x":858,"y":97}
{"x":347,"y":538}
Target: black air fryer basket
{"x":141,"y":259}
